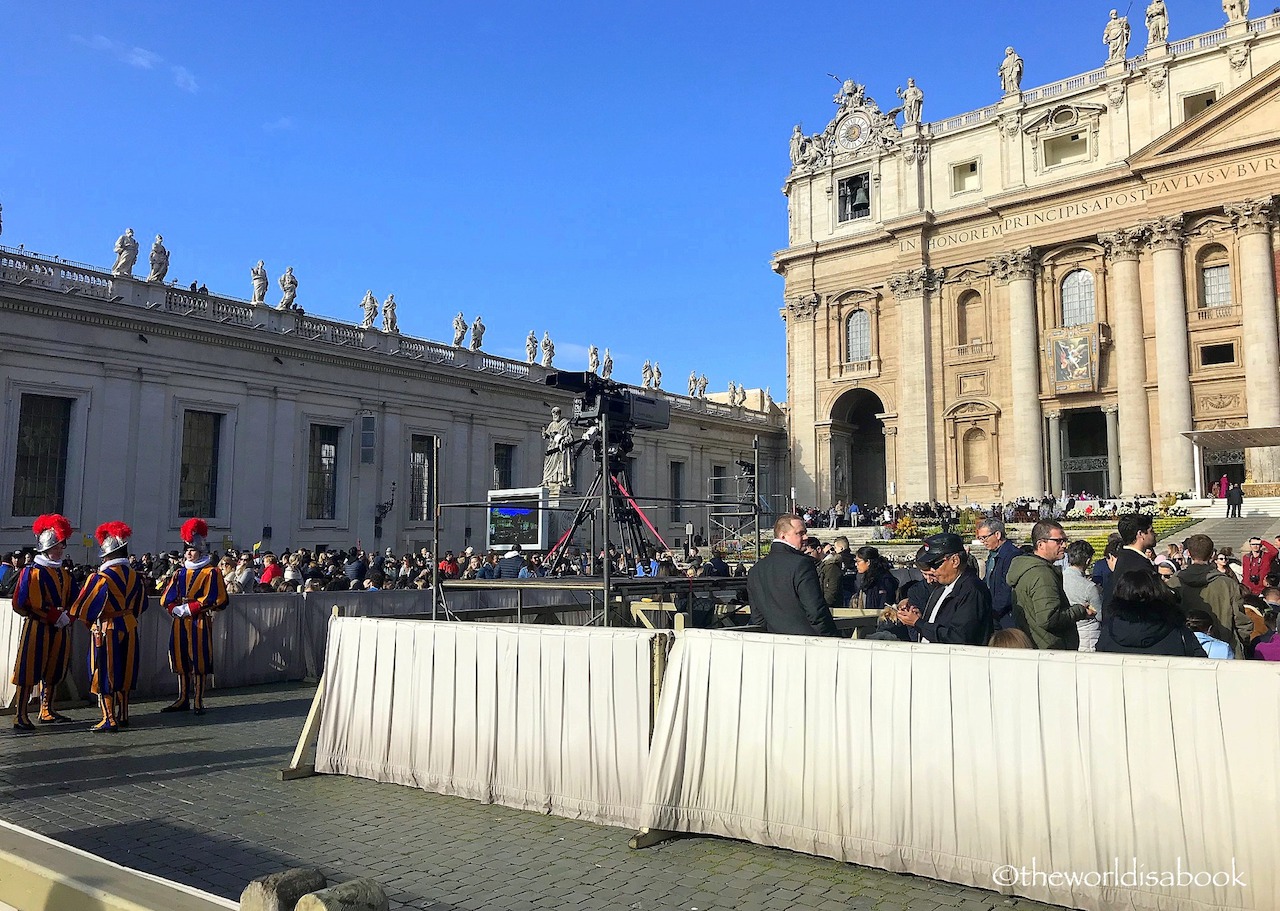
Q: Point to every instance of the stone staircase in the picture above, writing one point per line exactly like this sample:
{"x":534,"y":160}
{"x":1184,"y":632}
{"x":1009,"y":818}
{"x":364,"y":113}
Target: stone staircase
{"x":1253,"y":506}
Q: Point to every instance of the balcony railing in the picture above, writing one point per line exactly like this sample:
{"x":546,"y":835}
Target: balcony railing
{"x":973,"y":349}
{"x":1226,"y":312}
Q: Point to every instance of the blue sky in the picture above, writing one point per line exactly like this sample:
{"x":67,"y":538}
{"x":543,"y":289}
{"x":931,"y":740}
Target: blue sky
{"x":608,"y":172}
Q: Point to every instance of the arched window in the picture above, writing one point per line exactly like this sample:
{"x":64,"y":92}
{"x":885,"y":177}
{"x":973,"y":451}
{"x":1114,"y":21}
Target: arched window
{"x":977,"y":456}
{"x":858,"y":340}
{"x":971,"y":319}
{"x":1215,"y":277}
{"x":1077,"y":298}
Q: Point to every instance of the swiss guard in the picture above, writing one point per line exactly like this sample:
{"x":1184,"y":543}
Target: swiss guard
{"x":196,"y":591}
{"x":109,"y":604}
{"x":44,"y":644}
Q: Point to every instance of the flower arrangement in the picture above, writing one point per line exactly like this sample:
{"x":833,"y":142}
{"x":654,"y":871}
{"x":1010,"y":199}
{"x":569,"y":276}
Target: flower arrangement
{"x":906,"y":528}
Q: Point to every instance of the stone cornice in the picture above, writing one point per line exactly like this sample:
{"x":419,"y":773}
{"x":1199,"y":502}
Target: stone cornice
{"x":1014,"y":265}
{"x":1252,"y":216}
{"x":1123,"y":245}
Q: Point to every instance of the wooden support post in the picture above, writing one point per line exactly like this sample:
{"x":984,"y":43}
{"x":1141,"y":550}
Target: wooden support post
{"x":297,"y":767}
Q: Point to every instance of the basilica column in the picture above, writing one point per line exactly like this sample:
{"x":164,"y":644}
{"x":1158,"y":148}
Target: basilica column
{"x":1055,"y":452}
{"x":1130,"y":457}
{"x":1252,"y":221}
{"x":1173,"y":362}
{"x":1112,"y":413}
{"x":915,"y":474}
{"x":1017,"y":271}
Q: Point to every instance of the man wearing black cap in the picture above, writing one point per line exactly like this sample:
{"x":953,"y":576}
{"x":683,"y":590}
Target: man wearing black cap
{"x":959,"y":608}
{"x":783,"y":588}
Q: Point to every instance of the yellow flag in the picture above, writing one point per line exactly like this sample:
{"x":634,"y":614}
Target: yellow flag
{"x":88,"y":541}
{"x":257,"y":547}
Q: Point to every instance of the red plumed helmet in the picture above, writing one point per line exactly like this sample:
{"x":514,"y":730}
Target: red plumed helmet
{"x":113,"y":536}
{"x":194,"y":533}
{"x":51,"y":530}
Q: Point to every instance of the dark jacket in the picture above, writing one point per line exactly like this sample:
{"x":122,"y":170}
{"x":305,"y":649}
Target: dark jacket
{"x":785,"y":595}
{"x":878,"y":591}
{"x":1040,"y":606}
{"x":998,"y":584}
{"x":964,"y":618}
{"x":1204,"y":588}
{"x":1129,"y":561}
{"x":716,"y":567}
{"x":509,"y":567}
{"x":829,"y":576}
{"x":1149,"y":629}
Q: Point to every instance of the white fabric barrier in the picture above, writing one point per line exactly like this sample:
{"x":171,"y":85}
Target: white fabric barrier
{"x":10,"y":627}
{"x":545,"y":718}
{"x":952,"y":762}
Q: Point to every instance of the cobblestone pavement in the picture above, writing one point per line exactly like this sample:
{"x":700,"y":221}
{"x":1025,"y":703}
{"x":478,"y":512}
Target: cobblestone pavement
{"x":198,"y":800}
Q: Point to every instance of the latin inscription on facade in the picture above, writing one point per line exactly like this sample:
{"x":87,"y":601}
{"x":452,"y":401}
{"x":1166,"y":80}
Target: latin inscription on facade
{"x":1152,"y":189}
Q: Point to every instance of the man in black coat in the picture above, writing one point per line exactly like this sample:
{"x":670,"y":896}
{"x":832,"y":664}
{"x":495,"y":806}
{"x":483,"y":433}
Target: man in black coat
{"x":959,"y":608}
{"x":1136,"y":535}
{"x":783,"y":588}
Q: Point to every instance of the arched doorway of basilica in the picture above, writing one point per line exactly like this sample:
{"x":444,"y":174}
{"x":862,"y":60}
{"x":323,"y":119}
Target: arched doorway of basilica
{"x":858,"y":473}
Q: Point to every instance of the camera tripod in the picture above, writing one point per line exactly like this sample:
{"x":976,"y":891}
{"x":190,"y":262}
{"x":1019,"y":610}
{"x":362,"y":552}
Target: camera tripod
{"x":621,"y":510}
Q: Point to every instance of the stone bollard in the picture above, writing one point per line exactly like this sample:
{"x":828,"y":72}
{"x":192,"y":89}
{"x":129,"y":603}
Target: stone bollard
{"x":280,"y":891}
{"x":356,"y":895}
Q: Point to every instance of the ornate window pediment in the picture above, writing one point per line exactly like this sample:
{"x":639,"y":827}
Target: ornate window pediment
{"x":1064,"y":134}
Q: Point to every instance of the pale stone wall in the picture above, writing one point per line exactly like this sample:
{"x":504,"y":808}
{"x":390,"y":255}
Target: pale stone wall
{"x":1151,"y":202}
{"x":132,"y":371}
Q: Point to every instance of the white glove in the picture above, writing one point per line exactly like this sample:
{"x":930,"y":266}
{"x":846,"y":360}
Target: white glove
{"x":63,"y":619}
{"x":182,"y":611}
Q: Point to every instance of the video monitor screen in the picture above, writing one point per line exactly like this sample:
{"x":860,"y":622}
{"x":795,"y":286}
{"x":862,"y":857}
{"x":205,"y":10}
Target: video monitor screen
{"x":517,"y":519}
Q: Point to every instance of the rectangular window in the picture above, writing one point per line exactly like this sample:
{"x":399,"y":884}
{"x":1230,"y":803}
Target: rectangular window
{"x":719,"y":482}
{"x":964,"y":177}
{"x":1217,"y":286}
{"x":855,"y":197}
{"x":1194,"y":104}
{"x":1218,"y":355}
{"x":677,"y":491}
{"x":422,"y":450}
{"x":198,"y":478}
{"x":40,"y":470}
{"x":322,"y":472}
{"x":368,"y":438}
{"x":1066,"y":149}
{"x":504,"y":466}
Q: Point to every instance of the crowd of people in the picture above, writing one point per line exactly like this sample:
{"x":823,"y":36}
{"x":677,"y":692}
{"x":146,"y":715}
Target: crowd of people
{"x":1194,"y":600}
{"x":947,"y":516}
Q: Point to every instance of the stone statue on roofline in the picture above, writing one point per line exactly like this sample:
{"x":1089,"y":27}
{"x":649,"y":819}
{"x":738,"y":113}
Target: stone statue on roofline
{"x":531,"y":347}
{"x":126,"y":250}
{"x":548,"y":349}
{"x":1236,"y":10}
{"x":606,"y":368}
{"x":1116,"y":37}
{"x":1157,"y":23}
{"x":459,"y":329}
{"x":693,"y":383}
{"x":259,"y":273}
{"x":657,"y":376}
{"x":288,"y":285}
{"x":702,"y":386}
{"x":593,"y":359}
{"x":1011,"y":72}
{"x":477,"y":334}
{"x":389,"y":321}
{"x":159,"y":261}
{"x":370,"y":307}
{"x":646,"y":375}
{"x":912,"y":103}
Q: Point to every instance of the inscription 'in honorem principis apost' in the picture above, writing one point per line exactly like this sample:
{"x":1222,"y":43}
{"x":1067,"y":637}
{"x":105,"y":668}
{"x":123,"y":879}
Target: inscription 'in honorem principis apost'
{"x":1096,"y":205}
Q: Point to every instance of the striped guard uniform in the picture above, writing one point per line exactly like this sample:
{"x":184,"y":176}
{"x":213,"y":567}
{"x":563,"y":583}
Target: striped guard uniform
{"x":200,"y":586}
{"x":109,"y":604}
{"x":44,"y":651}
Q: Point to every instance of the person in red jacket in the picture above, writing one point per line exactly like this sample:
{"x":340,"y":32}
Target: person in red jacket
{"x":271,"y":571}
{"x":1257,"y":562}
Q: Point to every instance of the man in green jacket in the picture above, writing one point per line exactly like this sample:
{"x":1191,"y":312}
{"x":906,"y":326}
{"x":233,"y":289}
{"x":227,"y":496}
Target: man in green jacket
{"x":1204,"y":588}
{"x":1040,"y":606}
